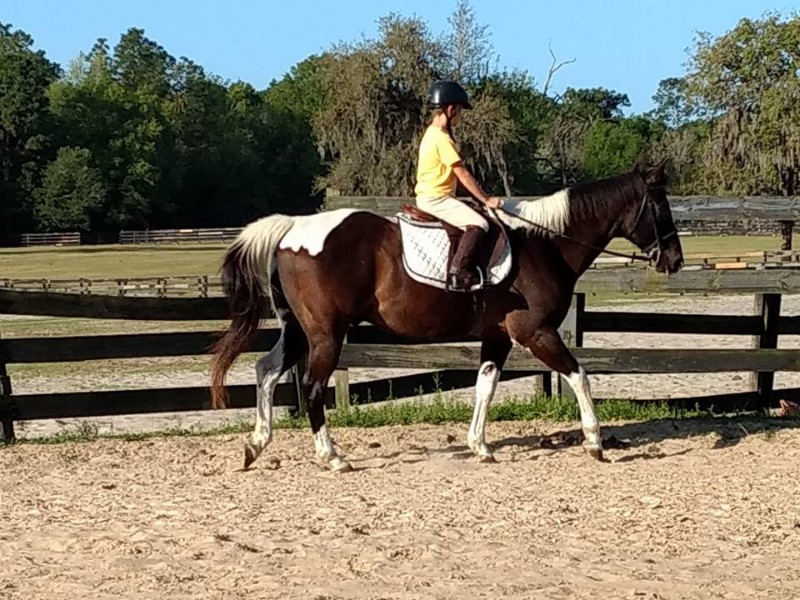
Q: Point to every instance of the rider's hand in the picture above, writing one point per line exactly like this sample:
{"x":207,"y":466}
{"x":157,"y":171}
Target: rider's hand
{"x":493,"y":202}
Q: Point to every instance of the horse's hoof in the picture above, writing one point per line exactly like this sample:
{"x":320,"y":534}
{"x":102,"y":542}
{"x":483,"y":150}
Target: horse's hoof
{"x":340,"y":466}
{"x":596,"y":453}
{"x":250,"y":454}
{"x":487,"y":459}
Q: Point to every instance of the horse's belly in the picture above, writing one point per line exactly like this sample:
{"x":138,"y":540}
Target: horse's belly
{"x":428,"y":315}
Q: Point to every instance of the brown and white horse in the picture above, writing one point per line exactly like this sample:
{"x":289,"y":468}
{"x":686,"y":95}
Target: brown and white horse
{"x":326,"y":271}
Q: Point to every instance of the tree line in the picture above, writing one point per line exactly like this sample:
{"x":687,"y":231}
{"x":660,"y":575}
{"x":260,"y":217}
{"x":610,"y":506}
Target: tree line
{"x":130,"y":136}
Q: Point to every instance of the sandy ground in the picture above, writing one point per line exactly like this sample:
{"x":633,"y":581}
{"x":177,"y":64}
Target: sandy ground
{"x":680,"y":510}
{"x":603,"y":386}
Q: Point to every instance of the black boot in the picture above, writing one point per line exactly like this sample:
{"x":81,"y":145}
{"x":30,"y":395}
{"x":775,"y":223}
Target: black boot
{"x":461,"y":276}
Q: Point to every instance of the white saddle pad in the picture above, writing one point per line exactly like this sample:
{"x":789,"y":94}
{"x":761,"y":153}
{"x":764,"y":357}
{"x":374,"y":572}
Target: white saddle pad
{"x":426,"y":247}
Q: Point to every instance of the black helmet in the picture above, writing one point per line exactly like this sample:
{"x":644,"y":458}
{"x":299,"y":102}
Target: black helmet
{"x":443,"y":93}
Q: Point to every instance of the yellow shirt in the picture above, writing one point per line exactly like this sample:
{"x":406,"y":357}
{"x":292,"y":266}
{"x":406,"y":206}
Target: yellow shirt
{"x":437,"y":155}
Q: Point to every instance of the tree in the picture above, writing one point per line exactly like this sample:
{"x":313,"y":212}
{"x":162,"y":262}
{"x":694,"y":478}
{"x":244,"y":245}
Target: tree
{"x":672,"y":104}
{"x":300,"y":92}
{"x":72,"y":190}
{"x":375,"y":112}
{"x":591,"y":104}
{"x":467,"y":47}
{"x":748,"y":82}
{"x":612,"y":147}
{"x":112,"y":103}
{"x":25,"y":125}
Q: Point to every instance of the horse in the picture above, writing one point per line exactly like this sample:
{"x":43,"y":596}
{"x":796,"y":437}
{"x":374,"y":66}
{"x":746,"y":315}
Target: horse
{"x":323,"y":272}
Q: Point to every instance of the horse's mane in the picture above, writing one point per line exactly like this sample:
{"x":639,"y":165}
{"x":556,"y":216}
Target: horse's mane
{"x":593,"y":198}
{"x":554,"y":213}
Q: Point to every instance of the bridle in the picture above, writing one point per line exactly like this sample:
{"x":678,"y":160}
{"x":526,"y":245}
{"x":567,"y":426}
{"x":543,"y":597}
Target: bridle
{"x":651,"y":254}
{"x":653,"y":251}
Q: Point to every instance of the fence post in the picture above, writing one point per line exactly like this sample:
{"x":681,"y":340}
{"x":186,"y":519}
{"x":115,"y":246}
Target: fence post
{"x":6,"y":425}
{"x":341,"y":381}
{"x":768,"y":306}
{"x":202,"y":286}
{"x":572,"y":333}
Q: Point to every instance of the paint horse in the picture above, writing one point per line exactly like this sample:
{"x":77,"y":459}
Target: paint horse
{"x":324,"y":272}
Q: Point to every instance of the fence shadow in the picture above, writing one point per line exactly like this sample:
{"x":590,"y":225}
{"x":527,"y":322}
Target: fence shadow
{"x":646,"y":435}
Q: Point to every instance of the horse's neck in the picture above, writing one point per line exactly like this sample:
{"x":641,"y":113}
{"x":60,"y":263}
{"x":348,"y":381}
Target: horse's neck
{"x":591,"y":228}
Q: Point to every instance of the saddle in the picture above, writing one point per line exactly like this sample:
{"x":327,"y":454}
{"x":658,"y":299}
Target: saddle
{"x":429,"y":244}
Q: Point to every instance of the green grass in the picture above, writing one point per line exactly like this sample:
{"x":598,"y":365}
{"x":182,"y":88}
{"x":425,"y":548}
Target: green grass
{"x":101,"y":262}
{"x":717,"y":244}
{"x":440,"y":410}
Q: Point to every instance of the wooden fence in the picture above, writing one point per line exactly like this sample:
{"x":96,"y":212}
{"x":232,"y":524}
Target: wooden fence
{"x":178,"y":236}
{"x":367,"y":347}
{"x":190,"y":285}
{"x":50,"y":239}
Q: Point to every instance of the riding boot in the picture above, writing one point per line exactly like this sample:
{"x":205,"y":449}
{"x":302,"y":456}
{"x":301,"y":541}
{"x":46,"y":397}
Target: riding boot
{"x":461,"y":275}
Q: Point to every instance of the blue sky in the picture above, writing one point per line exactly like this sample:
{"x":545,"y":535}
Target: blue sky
{"x":624,"y":45}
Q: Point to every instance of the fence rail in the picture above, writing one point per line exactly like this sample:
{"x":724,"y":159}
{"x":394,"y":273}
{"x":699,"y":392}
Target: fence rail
{"x":191,"y":285}
{"x":367,"y":346}
{"x":177,"y":236}
{"x":50,"y":239}
{"x":213,"y":307}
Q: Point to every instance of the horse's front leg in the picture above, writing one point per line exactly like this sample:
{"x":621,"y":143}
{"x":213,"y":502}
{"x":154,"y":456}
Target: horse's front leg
{"x":546,"y":345}
{"x":493,"y":356}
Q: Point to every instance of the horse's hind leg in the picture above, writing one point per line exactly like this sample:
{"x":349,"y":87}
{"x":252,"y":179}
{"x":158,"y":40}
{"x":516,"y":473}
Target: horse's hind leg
{"x":546,"y":345}
{"x":323,"y":356}
{"x":285,"y":354}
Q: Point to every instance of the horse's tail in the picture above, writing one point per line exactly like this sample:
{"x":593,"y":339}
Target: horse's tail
{"x":247,"y":269}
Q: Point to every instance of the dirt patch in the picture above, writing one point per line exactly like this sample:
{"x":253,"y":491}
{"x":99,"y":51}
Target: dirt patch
{"x":681,"y":510}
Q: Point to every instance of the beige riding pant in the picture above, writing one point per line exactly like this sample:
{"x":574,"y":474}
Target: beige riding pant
{"x":453,"y":211}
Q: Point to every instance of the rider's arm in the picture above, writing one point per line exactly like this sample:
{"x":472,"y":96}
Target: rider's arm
{"x":468,"y":181}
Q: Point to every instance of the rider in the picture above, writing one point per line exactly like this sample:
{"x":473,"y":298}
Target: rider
{"x":439,"y":170}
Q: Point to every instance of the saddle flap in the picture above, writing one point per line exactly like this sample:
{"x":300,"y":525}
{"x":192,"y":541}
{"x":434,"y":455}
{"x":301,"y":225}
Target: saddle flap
{"x":428,"y":246}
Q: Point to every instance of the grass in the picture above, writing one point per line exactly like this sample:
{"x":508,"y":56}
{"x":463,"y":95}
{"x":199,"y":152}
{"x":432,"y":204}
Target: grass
{"x":722,"y":245}
{"x":440,"y":410}
{"x":112,"y":261}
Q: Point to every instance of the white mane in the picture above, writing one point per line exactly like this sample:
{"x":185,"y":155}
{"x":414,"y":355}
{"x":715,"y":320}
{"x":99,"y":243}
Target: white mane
{"x":550,"y":212}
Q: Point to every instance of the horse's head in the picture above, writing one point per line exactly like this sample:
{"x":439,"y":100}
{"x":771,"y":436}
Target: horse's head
{"x":648,"y":222}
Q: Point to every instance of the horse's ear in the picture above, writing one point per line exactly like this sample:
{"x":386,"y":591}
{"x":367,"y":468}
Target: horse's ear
{"x":656,"y":174}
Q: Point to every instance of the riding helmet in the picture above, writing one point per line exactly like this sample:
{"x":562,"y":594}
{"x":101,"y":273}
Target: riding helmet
{"x":443,"y":93}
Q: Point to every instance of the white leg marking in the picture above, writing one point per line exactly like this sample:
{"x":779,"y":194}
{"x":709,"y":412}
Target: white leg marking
{"x":326,"y":451}
{"x":268,"y":371}
{"x":579,"y":382}
{"x":485,"y":387}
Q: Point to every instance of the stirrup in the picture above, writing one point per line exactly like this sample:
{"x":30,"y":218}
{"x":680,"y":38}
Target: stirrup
{"x":481,"y":281}
{"x":455,"y":282}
